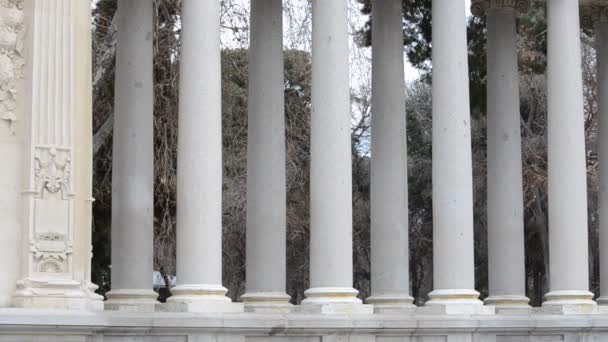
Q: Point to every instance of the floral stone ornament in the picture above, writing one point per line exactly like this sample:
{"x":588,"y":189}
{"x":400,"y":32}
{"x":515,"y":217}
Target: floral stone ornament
{"x":11,"y":58}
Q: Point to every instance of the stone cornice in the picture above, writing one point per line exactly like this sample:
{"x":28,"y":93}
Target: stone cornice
{"x":593,"y":14}
{"x":480,"y":8}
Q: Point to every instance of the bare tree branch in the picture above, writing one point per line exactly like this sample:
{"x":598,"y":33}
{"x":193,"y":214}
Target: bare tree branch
{"x":102,"y":134}
{"x":103,"y":58}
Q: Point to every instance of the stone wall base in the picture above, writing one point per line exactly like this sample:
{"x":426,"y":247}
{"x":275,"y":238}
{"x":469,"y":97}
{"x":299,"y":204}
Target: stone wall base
{"x":24,"y":325}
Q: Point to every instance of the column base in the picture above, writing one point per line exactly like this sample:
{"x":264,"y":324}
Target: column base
{"x":455,"y":302}
{"x":56,"y":294}
{"x":509,"y":304}
{"x":267,"y":302}
{"x":131,"y":300}
{"x":200,"y":299}
{"x":333,"y":300}
{"x":602,"y":301}
{"x":392,"y":304}
{"x":569,"y":303}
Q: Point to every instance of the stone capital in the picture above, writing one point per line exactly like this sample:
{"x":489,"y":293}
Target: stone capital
{"x":593,"y":14}
{"x":481,"y":8}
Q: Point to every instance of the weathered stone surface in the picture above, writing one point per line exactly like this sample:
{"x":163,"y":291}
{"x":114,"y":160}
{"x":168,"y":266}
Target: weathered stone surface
{"x":266,"y":171}
{"x":388,"y":192}
{"x":133,"y":161}
{"x":46,"y":325}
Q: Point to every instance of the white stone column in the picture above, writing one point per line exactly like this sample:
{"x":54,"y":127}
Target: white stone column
{"x":266,"y":187}
{"x":506,"y":264}
{"x":51,"y":60}
{"x":133,"y":160}
{"x":600,"y":20}
{"x":199,"y":164}
{"x":331,"y":268}
{"x":389,"y":204}
{"x":453,"y":264}
{"x":568,"y":246}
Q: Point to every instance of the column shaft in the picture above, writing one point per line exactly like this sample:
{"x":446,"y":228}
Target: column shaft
{"x":453,"y":264}
{"x":199,"y":169}
{"x":602,"y":81}
{"x":199,"y":162}
{"x":133,"y":156}
{"x":505,"y":190}
{"x":331,"y":272}
{"x":266,"y":188}
{"x":389,"y":202}
{"x":568,"y":246}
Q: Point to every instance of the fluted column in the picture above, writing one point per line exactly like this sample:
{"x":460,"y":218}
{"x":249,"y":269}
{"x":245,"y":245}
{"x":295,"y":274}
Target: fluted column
{"x":568,"y":246}
{"x":389,"y":204}
{"x":599,"y":16}
{"x":453,"y":264}
{"x":266,"y":188}
{"x":199,"y":164}
{"x":506,"y":264}
{"x":133,"y":160}
{"x":46,"y":94}
{"x":331,"y":269}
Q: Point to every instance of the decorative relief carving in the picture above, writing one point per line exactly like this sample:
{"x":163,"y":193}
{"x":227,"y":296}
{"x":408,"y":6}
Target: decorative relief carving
{"x":51,"y":245}
{"x":50,"y":266}
{"x":11,"y":58}
{"x":480,"y":8}
{"x":52,"y":169}
{"x":51,"y":250}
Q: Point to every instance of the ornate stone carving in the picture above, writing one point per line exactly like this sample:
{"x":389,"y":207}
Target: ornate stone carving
{"x":52,"y":168}
{"x":480,"y":8}
{"x":51,"y":250}
{"x":11,"y":58}
{"x":50,"y":266}
{"x":51,"y":245}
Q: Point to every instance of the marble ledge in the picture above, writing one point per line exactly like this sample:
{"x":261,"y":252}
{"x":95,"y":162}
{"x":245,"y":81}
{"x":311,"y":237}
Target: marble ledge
{"x":108,"y":320}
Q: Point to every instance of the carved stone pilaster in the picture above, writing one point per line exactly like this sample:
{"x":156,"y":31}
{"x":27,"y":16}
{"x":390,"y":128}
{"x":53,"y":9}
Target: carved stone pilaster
{"x":480,"y":8}
{"x":55,"y":238}
{"x":11,"y":59}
